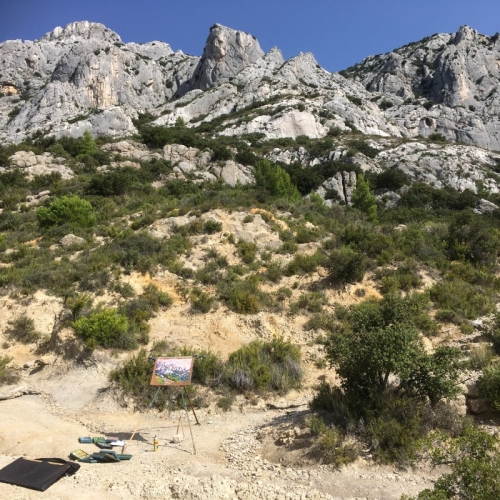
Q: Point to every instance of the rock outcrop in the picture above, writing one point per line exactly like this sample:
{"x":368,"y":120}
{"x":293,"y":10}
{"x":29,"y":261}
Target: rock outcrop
{"x":83,"y":77}
{"x":446,"y":83}
{"x":227,"y":52}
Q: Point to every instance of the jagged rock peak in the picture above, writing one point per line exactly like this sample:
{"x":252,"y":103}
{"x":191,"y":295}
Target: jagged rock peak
{"x":465,"y":33}
{"x":82,"y":29}
{"x":226,"y":53}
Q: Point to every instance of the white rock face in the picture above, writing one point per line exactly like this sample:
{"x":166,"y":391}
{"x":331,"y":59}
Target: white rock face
{"x":459,"y":167}
{"x":226,"y":53}
{"x":456,"y":73}
{"x":39,"y":164}
{"x":83,"y":77}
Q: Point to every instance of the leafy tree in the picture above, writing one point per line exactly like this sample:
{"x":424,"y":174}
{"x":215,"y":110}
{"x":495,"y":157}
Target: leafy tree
{"x":67,"y":209}
{"x":273,"y":179}
{"x":379,"y":343}
{"x":474,"y":460}
{"x":364,"y":200}
{"x":470,"y":238}
{"x":87,"y":144}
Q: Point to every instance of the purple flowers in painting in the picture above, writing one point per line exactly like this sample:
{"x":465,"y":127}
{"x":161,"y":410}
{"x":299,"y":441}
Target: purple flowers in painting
{"x":172,"y":371}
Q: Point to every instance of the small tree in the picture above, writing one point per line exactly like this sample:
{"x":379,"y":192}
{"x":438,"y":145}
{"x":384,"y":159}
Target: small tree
{"x":379,"y":346}
{"x":67,"y":209}
{"x":87,"y":144}
{"x":364,"y":200}
{"x":273,"y":179}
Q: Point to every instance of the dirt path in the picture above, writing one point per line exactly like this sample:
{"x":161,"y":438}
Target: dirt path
{"x":228,"y":463}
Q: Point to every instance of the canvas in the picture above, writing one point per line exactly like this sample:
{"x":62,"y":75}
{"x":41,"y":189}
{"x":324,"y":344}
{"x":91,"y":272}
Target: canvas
{"x":172,"y":371}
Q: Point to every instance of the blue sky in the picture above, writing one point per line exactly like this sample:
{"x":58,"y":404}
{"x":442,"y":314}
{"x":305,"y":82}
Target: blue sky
{"x":338,"y":32}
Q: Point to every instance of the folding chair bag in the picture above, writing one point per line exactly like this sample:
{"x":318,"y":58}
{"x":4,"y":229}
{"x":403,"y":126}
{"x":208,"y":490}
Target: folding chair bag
{"x":37,"y":474}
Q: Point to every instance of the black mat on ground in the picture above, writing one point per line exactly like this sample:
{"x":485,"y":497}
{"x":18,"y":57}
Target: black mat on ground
{"x":37,"y":474}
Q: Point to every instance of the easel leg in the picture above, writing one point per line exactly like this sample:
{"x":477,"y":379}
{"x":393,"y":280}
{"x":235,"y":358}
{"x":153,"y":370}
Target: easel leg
{"x":142,"y":418}
{"x":192,"y":409}
{"x":190,"y":431}
{"x":187,"y":416}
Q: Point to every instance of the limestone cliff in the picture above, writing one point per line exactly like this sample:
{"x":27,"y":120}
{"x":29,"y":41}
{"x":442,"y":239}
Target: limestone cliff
{"x":83,"y":77}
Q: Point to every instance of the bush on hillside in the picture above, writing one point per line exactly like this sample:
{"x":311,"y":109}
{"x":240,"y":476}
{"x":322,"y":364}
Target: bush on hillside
{"x":22,"y":328}
{"x":346,"y":266}
{"x":67,"y":209}
{"x":261,"y":365}
{"x":106,"y":328}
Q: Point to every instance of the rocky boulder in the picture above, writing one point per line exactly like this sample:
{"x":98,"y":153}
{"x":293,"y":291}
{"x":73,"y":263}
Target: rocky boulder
{"x":42,"y":164}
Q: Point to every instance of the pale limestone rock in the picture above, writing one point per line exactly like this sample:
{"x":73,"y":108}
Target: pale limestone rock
{"x":71,"y":239}
{"x":40,"y":164}
{"x":226,"y":53}
{"x":477,"y":406}
{"x":485,"y":206}
{"x":176,"y":153}
{"x":82,"y":77}
{"x":233,"y":173}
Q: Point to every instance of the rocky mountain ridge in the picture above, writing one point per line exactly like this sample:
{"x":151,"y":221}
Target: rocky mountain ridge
{"x":83,"y":77}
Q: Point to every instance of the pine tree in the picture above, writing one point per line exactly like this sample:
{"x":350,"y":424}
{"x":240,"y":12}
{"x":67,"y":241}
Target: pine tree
{"x":276,"y":181}
{"x":364,"y":200}
{"x":87,"y":144}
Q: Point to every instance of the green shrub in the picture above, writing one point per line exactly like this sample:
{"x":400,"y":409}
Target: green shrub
{"x":305,"y":264}
{"x":305,"y":235}
{"x":208,"y":367}
{"x":126,"y":290}
{"x":274,"y":272}
{"x":136,"y":250}
{"x":405,"y":277}
{"x":104,"y":328}
{"x":345,"y":266}
{"x":465,"y":301}
{"x":489,"y":385}
{"x":311,"y":302}
{"x":336,"y":450}
{"x":436,"y":136}
{"x":271,"y":178}
{"x":211,"y":226}
{"x":4,"y":362}
{"x":67,"y":209}
{"x":261,"y":365}
{"x":363,"y":147}
{"x":244,"y":296}
{"x":22,"y":328}
{"x":78,"y":304}
{"x":397,"y":432}
{"x":480,"y":357}
{"x":201,"y":301}
{"x":133,"y":378}
{"x":221,"y":153}
{"x":156,"y":297}
{"x":283,"y":293}
{"x":364,"y":200}
{"x":225,"y":403}
{"x":247,"y":251}
{"x":473,"y":460}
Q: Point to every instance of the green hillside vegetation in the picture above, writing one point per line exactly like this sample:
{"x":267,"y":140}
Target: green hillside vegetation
{"x":371,"y":345}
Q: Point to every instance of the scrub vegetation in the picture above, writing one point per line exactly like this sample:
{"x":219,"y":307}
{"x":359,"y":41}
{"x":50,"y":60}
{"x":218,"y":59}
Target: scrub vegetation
{"x":393,"y":392}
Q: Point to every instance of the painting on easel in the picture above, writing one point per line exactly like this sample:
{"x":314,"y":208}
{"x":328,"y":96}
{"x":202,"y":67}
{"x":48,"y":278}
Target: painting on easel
{"x":172,"y":371}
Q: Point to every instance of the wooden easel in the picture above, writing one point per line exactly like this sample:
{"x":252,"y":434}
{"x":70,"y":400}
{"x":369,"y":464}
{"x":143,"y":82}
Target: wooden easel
{"x":184,"y":396}
{"x":179,"y":424}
